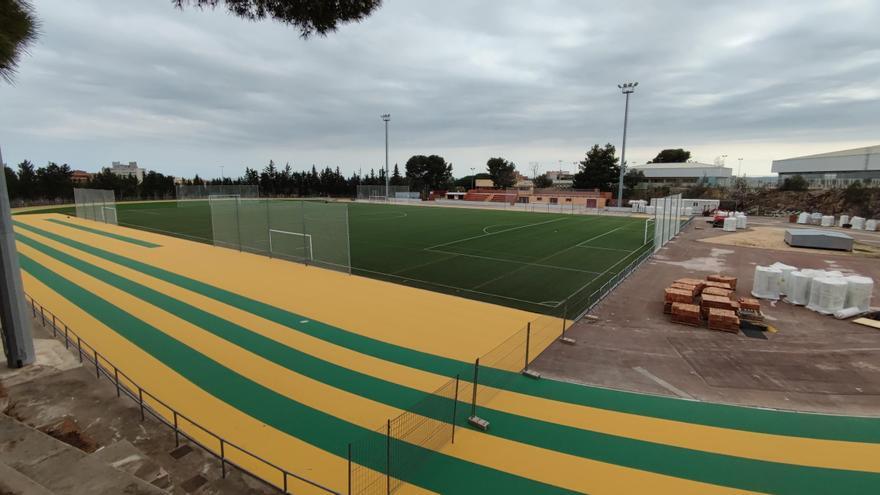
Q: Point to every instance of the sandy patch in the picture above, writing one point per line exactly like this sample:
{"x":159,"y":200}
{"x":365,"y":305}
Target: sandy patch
{"x":774,"y":238}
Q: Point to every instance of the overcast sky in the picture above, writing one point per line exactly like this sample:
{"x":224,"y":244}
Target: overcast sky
{"x":532,"y":81}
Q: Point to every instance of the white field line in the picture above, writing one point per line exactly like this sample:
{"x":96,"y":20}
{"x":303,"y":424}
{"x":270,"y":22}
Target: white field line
{"x":495,"y":233}
{"x":453,"y":287}
{"x":580,"y":244}
{"x":502,"y":260}
{"x":609,"y":249}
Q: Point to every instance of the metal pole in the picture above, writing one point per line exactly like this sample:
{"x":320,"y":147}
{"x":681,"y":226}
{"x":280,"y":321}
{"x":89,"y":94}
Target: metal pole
{"x":349,"y":471}
{"x":386,"y":117}
{"x":388,"y":458}
{"x":454,"y":408}
{"x":623,"y":154}
{"x":474,"y":399}
{"x":528,"y":337}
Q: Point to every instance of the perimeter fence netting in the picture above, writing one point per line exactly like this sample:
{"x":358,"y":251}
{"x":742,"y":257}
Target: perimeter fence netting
{"x":188,"y":196}
{"x":96,"y":204}
{"x":381,"y":193}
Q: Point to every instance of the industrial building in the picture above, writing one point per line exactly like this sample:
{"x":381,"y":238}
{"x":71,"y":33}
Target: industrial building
{"x":835,"y":169}
{"x":683,"y":174}
{"x":130,"y":170}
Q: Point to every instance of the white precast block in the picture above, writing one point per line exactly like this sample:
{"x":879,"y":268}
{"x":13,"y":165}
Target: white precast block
{"x":729,"y":224}
{"x":798,"y":289}
{"x":858,"y":223}
{"x":844,"y":219}
{"x":766,"y":283}
{"x":741,"y":221}
{"x":827,"y":221}
{"x":786,"y":270}
{"x":827,"y":294}
{"x":871,"y":225}
{"x":858,"y":292}
{"x":847,"y":313}
{"x":803,"y":218}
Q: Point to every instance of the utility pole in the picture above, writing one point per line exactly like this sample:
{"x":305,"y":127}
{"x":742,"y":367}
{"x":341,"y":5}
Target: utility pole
{"x":386,"y":117}
{"x":15,"y":322}
{"x":473,"y":178}
{"x":627,"y":89}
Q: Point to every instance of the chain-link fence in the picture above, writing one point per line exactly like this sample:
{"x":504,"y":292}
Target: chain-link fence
{"x":196,"y":195}
{"x":310,"y":232}
{"x":381,"y":193}
{"x":668,"y":219}
{"x":96,"y":204}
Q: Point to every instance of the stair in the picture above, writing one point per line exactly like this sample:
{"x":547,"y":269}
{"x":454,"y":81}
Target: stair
{"x":42,"y":462}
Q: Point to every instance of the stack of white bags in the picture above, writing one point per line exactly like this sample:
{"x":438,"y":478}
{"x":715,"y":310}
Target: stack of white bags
{"x":822,"y":291}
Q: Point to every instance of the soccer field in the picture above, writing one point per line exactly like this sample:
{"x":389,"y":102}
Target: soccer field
{"x":540,"y":262}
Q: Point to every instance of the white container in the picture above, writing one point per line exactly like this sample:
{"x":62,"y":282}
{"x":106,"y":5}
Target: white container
{"x":871,"y":225}
{"x":803,"y":218}
{"x":827,"y":221}
{"x":858,"y":223}
{"x":766,"y":284}
{"x":688,"y":211}
{"x":798,"y":289}
{"x":827,"y":294}
{"x":858,"y":292}
{"x":741,"y":222}
{"x":786,"y":270}
{"x":844,"y":219}
{"x":815,"y":219}
{"x":729,"y":224}
{"x":845,"y":313}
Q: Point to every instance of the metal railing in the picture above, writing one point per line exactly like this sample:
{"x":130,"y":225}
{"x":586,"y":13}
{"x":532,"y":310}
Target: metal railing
{"x":148,"y":403}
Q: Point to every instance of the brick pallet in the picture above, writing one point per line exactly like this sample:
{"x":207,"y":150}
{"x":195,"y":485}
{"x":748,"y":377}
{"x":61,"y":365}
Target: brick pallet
{"x":724,"y":279}
{"x":717,"y":291}
{"x":717,"y":302}
{"x":693,"y":289}
{"x":720,"y":285}
{"x":678,"y":296}
{"x":686,"y":314}
{"x":724,"y":320}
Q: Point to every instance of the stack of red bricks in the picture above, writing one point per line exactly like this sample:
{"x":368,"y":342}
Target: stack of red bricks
{"x":724,"y":320}
{"x":724,"y":279}
{"x":686,"y":314}
{"x":750,"y":309}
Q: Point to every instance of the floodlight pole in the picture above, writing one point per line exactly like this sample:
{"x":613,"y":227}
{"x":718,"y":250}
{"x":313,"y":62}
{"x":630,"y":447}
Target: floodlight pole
{"x":15,"y":322}
{"x":739,"y":168}
{"x":386,"y":117}
{"x":627,"y":89}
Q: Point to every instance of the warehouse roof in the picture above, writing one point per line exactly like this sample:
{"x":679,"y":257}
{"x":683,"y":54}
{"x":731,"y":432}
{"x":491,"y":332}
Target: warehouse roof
{"x":867,"y":150}
{"x":866,"y":158}
{"x":684,"y":169}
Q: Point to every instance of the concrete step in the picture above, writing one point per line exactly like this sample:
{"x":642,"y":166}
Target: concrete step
{"x":60,"y":468}
{"x":124,"y":456}
{"x":14,"y":483}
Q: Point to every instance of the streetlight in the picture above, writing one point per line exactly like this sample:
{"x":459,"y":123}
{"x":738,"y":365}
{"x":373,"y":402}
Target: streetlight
{"x":473,"y":178}
{"x":627,"y":89}
{"x":739,"y":167}
{"x":221,"y":173}
{"x":386,"y":117}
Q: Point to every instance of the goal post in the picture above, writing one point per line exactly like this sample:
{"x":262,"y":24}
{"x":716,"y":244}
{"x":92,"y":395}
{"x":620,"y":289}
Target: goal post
{"x":96,"y":204}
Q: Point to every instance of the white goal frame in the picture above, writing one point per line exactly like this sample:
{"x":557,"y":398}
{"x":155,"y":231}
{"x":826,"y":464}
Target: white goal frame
{"x":311,"y":254}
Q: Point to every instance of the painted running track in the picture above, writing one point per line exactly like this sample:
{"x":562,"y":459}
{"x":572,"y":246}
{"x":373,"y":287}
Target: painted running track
{"x":294,"y":362}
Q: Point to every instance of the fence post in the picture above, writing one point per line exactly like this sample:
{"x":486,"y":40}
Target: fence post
{"x":528,"y":338}
{"x":97,"y":366}
{"x":34,"y":307}
{"x":43,"y":316}
{"x":53,"y":326}
{"x":79,"y":348}
{"x":141,"y":401}
{"x":176,"y":430}
{"x":222,"y":458}
{"x":66,"y":338}
{"x":454,"y":408}
{"x":116,"y":379}
{"x":388,"y":458}
{"x":476,"y":376}
{"x":349,"y":471}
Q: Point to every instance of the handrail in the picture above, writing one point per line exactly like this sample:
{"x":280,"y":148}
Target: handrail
{"x":138,"y":393}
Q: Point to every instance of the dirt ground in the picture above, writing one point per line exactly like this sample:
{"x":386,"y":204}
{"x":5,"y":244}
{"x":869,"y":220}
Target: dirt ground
{"x":812,"y":363}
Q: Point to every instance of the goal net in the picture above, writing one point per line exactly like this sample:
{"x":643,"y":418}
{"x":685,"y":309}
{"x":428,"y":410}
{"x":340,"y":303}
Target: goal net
{"x":380,"y":193}
{"x":189,"y":196}
{"x":310,"y":232}
{"x":96,"y":204}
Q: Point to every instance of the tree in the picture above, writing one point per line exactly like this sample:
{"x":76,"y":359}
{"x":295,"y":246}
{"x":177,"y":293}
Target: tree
{"x":18,"y":29}
{"x":428,"y":173}
{"x":795,"y":183}
{"x":677,"y":155}
{"x":251,"y":177}
{"x":542,"y":181}
{"x":11,"y":182}
{"x":54,"y":181}
{"x":599,"y":169}
{"x":27,"y":180}
{"x":502,"y":172}
{"x":633,"y":178}
{"x":396,"y":178}
{"x":309,"y":16}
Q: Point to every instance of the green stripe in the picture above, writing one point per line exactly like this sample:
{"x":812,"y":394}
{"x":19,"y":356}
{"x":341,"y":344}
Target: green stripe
{"x":130,"y":240}
{"x":315,"y":427}
{"x":659,"y":458}
{"x":741,"y":418}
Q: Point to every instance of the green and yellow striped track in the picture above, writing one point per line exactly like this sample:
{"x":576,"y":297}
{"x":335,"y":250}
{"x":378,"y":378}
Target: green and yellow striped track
{"x":293,"y":362}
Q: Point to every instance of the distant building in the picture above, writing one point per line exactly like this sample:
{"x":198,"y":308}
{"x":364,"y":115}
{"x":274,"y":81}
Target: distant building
{"x":484,"y":183}
{"x":130,"y":170}
{"x":762,"y":181}
{"x":80,"y":176}
{"x":835,"y":169}
{"x":566,"y":197}
{"x":560,"y":179}
{"x":683,"y":175}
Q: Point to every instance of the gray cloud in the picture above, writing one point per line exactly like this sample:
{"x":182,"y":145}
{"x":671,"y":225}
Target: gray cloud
{"x":185,"y":92}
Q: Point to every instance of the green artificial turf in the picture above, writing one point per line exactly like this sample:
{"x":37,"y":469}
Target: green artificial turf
{"x":541,"y":262}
